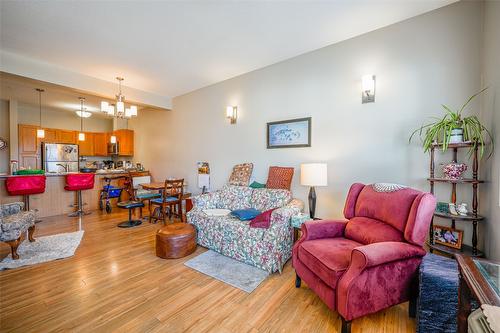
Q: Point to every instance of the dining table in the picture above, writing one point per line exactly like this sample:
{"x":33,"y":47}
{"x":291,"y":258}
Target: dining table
{"x":160,"y":186}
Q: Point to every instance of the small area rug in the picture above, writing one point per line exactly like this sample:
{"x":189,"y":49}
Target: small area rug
{"x":44,"y":249}
{"x":228,"y":270}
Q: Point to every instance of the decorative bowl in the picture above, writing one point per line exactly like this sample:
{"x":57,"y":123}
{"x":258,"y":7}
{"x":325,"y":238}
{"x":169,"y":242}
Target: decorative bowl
{"x":454,"y":170}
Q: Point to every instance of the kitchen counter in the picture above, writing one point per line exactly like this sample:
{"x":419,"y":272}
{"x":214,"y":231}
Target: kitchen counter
{"x":57,"y":174}
{"x":56,"y":200}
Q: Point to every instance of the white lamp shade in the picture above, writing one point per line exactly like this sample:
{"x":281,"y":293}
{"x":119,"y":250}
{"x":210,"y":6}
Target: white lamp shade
{"x":368,"y":83}
{"x":112,"y":139}
{"x":133,"y":111}
{"x":120,"y":107}
{"x":104,"y":106}
{"x":83,"y":114}
{"x":40,"y":133}
{"x":229,"y":112}
{"x":313,"y":174}
{"x":81,"y":136}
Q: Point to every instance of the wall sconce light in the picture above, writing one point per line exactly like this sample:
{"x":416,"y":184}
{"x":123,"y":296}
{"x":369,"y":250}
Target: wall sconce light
{"x":232,"y":113}
{"x":368,"y":89}
{"x":112,"y":139}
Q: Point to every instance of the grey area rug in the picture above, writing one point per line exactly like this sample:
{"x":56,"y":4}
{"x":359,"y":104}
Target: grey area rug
{"x":44,"y":249}
{"x":228,"y":270}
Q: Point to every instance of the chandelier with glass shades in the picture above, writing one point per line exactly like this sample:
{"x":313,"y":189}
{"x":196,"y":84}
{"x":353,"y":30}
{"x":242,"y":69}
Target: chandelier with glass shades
{"x":118,"y":109}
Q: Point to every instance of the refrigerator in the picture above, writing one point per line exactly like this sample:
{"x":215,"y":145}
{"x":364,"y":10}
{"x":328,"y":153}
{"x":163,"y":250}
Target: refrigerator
{"x":60,"y":157}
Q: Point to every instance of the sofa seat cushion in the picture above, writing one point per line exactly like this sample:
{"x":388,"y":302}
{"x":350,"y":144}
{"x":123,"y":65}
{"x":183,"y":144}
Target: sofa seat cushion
{"x":235,"y":197}
{"x":367,"y":231}
{"x":328,"y":258}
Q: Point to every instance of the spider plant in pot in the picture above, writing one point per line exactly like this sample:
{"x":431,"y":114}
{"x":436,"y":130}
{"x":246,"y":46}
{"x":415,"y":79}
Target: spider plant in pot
{"x":454,"y":127}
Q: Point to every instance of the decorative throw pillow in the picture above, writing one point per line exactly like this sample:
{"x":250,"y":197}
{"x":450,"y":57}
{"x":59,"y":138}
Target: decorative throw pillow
{"x":263,"y":220}
{"x":241,"y":174}
{"x":279,"y":178}
{"x":245,"y":214}
{"x":257,"y":185}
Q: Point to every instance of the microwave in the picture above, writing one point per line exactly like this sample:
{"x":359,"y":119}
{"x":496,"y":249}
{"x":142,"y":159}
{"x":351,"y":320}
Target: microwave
{"x":113,"y":148}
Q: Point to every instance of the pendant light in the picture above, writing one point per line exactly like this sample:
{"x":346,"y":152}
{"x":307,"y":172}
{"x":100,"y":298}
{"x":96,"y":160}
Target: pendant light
{"x":81,"y":135}
{"x":40,"y":132}
{"x":119,"y":110}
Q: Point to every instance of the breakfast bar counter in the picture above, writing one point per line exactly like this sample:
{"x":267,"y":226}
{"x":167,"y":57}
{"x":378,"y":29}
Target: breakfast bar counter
{"x":56,"y":200}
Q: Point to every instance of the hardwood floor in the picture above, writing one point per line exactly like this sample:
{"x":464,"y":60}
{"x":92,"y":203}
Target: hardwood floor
{"x":116,"y":283}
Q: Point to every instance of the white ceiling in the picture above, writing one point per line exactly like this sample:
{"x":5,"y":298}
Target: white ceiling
{"x":174,"y":47}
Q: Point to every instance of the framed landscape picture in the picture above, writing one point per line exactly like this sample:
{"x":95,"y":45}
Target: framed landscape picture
{"x":291,"y":133}
{"x":447,"y":236}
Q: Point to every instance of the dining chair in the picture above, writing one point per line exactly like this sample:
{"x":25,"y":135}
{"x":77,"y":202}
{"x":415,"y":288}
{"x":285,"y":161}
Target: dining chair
{"x":136,"y":192}
{"x":172,"y":198}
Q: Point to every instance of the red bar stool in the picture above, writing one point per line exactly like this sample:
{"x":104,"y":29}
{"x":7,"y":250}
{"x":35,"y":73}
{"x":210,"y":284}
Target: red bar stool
{"x":25,"y":186}
{"x":79,"y":182}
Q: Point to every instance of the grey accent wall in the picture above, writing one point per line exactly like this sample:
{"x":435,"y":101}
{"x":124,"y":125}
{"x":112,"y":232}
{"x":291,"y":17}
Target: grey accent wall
{"x":490,"y":115}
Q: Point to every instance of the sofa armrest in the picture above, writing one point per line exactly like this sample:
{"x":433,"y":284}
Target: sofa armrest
{"x":284,"y":213}
{"x":384,"y":252}
{"x":206,"y":201}
{"x":11,"y":208}
{"x":323,"y":229}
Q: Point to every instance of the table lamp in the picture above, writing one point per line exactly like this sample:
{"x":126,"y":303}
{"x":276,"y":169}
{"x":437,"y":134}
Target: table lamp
{"x":313,"y":174}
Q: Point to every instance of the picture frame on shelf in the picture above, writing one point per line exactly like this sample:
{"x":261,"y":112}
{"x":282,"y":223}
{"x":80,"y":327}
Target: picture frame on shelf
{"x":447,"y":236}
{"x":292,"y":133}
{"x":442,"y":207}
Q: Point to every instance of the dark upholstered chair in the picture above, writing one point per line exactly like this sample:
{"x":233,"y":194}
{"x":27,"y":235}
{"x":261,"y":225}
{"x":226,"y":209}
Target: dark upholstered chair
{"x":369,"y":262}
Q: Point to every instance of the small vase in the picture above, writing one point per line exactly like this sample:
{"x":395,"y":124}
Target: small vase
{"x":462,"y":209}
{"x":454,"y":170}
{"x":453,"y":209}
{"x":457,"y":135}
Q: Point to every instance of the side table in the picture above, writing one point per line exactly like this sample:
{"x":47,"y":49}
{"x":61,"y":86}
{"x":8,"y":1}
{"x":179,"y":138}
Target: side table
{"x":479,"y":279}
{"x":297,"y":222}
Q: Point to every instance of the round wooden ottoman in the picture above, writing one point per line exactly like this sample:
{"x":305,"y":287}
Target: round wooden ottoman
{"x":175,"y":240}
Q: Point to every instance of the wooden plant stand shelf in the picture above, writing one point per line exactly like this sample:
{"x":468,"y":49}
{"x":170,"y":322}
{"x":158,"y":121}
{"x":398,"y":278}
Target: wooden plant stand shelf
{"x":472,"y":216}
{"x":454,"y":145}
{"x":456,"y":181}
{"x":469,"y":217}
{"x":449,"y":251}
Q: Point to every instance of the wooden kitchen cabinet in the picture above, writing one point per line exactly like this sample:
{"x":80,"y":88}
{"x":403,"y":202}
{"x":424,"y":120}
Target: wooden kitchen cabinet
{"x":86,"y":148}
{"x":30,"y":161}
{"x":50,"y":136}
{"x":125,"y":139}
{"x":95,"y":144}
{"x":65,"y":136}
{"x":101,"y":144}
{"x":29,"y":152}
{"x":28,"y":143}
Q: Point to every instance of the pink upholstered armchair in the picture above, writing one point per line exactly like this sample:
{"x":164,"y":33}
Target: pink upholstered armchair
{"x":369,"y":262}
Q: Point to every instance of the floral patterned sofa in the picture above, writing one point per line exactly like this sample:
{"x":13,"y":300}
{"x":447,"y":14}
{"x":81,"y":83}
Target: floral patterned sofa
{"x":268,"y":249}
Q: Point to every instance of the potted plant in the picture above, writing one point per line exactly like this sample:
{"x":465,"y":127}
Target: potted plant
{"x":455,"y":128}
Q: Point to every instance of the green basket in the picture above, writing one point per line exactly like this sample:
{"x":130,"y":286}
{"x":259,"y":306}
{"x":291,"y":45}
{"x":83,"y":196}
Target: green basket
{"x":29,"y":172}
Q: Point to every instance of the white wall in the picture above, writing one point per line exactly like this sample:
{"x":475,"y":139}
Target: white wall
{"x":420,"y":63}
{"x":490,"y":115}
{"x":61,"y":119}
